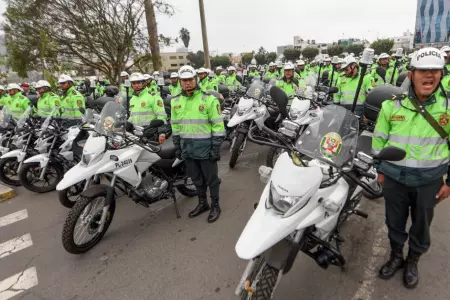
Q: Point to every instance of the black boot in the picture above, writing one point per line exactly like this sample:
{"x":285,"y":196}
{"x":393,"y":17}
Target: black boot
{"x":200,"y":208}
{"x":411,"y":272}
{"x":394,"y":263}
{"x":214,"y":213}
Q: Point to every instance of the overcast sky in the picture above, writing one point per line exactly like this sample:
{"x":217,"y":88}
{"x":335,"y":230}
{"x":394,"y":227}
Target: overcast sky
{"x":245,"y":25}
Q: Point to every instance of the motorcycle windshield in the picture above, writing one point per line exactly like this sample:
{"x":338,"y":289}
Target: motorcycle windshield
{"x":5,"y":116}
{"x":331,"y":138}
{"x":23,"y":119}
{"x":256,"y":90}
{"x":88,"y":116}
{"x":47,"y":120}
{"x":112,"y":118}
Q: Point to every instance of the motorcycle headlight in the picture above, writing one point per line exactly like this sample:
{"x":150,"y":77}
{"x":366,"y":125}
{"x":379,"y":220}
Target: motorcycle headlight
{"x":283,"y":203}
{"x":243,"y":110}
{"x":90,"y":158}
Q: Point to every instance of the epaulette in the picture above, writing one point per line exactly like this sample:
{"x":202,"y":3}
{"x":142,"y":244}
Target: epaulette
{"x":22,"y":97}
{"x":398,"y":97}
{"x":74,"y":92}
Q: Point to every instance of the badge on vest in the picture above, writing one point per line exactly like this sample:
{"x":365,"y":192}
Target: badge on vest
{"x":443,"y":119}
{"x":142,"y":104}
{"x":160,"y":104}
{"x":397,"y":118}
{"x":219,"y":111}
{"x":57,"y":103}
{"x":176,"y":106}
{"x":79,"y":103}
{"x":201,"y":107}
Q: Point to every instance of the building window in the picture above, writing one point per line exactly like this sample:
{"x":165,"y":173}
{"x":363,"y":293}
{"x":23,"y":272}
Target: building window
{"x":173,"y":57}
{"x":180,"y":57}
{"x":181,"y":65}
{"x":173,"y":65}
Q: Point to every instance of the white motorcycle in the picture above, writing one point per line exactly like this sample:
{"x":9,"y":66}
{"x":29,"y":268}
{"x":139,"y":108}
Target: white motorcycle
{"x":305,"y":202}
{"x":145,"y":172}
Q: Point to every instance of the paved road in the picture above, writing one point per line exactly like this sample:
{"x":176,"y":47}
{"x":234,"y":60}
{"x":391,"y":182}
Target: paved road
{"x":149,"y":254}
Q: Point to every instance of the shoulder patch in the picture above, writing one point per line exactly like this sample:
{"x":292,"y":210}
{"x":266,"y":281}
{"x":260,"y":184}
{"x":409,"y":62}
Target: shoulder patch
{"x":74,"y":92}
{"x":398,"y":97}
{"x":22,"y":97}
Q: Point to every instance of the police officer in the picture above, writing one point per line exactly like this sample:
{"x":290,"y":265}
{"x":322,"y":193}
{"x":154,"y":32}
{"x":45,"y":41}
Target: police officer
{"x":446,"y":79}
{"x":19,"y":103}
{"x":198,"y":132}
{"x":280,"y":70}
{"x":232,"y":82}
{"x":219,"y":78}
{"x":175,"y":86}
{"x":337,"y":72}
{"x":286,"y":83}
{"x":5,"y":99}
{"x":26,"y":89}
{"x":123,"y":76}
{"x":414,"y":185}
{"x":383,"y":62}
{"x":253,"y":73}
{"x":446,"y":49}
{"x":204,"y":83}
{"x":326,"y":67}
{"x":71,"y":100}
{"x":301,"y":69}
{"x":151,"y":83}
{"x":146,"y":106}
{"x":271,"y":73}
{"x":47,"y":99}
{"x":348,"y":83}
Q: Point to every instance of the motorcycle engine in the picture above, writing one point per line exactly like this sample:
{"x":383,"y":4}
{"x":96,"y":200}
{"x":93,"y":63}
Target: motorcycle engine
{"x":153,"y":187}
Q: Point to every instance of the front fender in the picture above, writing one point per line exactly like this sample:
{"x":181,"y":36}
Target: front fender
{"x":95,"y":190}
{"x":43,"y":159}
{"x":15,"y":153}
{"x":239,"y":119}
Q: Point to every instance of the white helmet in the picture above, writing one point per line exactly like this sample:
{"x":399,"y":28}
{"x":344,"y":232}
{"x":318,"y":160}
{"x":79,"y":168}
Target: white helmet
{"x":272,"y":64}
{"x":223,"y":73}
{"x":443,"y":53}
{"x":375,"y":57}
{"x":279,"y":64}
{"x":156,"y":73}
{"x":252,"y":66}
{"x":383,"y":56}
{"x":2,"y":88}
{"x":13,"y":86}
{"x":202,"y":70}
{"x":231,"y":68}
{"x":136,"y":77}
{"x":301,"y":63}
{"x":174,"y":75}
{"x":327,"y":59}
{"x":42,"y":83}
{"x":289,"y":66}
{"x":147,"y":76}
{"x":123,"y":74}
{"x":428,"y":59}
{"x":186,"y":72}
{"x":219,"y":68}
{"x":445,"y":49}
{"x":347,"y":61}
{"x":65,"y":78}
{"x":340,"y":61}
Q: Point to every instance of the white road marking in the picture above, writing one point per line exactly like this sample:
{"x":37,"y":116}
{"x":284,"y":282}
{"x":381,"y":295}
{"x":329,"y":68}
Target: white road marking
{"x":18,"y":283}
{"x":15,"y":245}
{"x":14,"y":217}
{"x":367,"y":287}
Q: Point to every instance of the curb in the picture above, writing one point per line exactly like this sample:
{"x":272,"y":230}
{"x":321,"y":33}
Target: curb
{"x":6,"y":193}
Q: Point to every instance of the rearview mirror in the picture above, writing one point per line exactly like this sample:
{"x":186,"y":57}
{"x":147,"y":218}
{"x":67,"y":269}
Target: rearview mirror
{"x":391,"y":153}
{"x":156,"y":123}
{"x":333,"y":90}
{"x":281,"y":99}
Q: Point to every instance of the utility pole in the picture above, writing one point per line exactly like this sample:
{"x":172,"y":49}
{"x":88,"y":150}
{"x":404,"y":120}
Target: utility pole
{"x":204,"y":34}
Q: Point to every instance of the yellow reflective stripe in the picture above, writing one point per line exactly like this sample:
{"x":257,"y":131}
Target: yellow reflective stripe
{"x":218,"y":133}
{"x":195,"y":135}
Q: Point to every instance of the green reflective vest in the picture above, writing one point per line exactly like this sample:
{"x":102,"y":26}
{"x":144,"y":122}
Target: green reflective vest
{"x":289,"y":88}
{"x":19,"y":103}
{"x":303,"y":74}
{"x":153,"y":87}
{"x":347,"y":88}
{"x":328,"y":68}
{"x":46,"y":103}
{"x":175,"y":89}
{"x":207,"y":85}
{"x":219,"y":79}
{"x":5,"y":99}
{"x":232,"y":83}
{"x":427,"y":154}
{"x":336,"y":76}
{"x":71,"y":102}
{"x":197,"y":124}
{"x":270,"y":75}
{"x":254,"y":74}
{"x":145,"y":107}
{"x":280,"y":73}
{"x":446,"y":82}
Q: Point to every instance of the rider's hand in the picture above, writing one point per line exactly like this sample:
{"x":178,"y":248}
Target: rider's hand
{"x":381,"y":178}
{"x":443,"y":193}
{"x":162,"y":138}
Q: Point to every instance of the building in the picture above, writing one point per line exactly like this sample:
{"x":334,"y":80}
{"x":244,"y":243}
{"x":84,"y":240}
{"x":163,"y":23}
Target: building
{"x":406,"y":41}
{"x":172,"y":61}
{"x":432,"y":23}
{"x":182,"y":49}
{"x":280,"y":49}
{"x":350,"y":41}
{"x":300,"y":43}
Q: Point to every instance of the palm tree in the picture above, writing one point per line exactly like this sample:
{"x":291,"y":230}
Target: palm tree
{"x":185,"y":36}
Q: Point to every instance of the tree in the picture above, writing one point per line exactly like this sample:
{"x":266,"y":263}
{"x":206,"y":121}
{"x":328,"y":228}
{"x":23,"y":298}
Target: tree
{"x":310,"y":52}
{"x":260,"y":58}
{"x":223,"y":61}
{"x":382,"y":46}
{"x":335,"y":50}
{"x":261,"y":50}
{"x":356,"y":49}
{"x":185,"y":36}
{"x":197,"y":60}
{"x":247,"y":58}
{"x":292,"y":54}
{"x":271,"y":57}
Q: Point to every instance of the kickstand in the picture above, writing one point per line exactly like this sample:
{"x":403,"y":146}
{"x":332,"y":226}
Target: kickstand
{"x":177,"y":212}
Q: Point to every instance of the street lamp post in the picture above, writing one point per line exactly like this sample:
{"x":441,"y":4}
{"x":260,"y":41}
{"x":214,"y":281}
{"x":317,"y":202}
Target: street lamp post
{"x":204,"y":34}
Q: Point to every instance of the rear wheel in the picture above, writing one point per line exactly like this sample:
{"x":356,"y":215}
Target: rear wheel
{"x":68,"y":197}
{"x":29,"y":177}
{"x":236,"y":150}
{"x":8,"y":171}
{"x":80,"y":231}
{"x":261,"y":283}
{"x":188,"y":190}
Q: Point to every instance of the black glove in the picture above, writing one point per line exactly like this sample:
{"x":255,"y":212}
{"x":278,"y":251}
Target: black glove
{"x":178,"y":154}
{"x":215,"y":155}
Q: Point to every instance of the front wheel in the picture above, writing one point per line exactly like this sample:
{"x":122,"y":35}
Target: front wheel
{"x":273,"y":155}
{"x":29,"y":177}
{"x":262,"y":282}
{"x":80,"y":230}
{"x":8,"y":171}
{"x":236,"y":150}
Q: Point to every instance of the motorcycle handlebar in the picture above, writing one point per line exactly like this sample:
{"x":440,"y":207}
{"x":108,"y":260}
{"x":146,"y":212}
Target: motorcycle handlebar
{"x":259,"y":142}
{"x":364,"y":185}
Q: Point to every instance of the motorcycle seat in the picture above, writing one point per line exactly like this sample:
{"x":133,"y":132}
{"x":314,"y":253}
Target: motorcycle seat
{"x":167,"y":150}
{"x":364,"y":144}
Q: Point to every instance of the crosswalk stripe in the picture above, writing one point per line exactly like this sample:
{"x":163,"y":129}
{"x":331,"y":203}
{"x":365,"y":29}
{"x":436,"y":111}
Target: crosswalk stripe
{"x":18,"y":283}
{"x":15,"y":245}
{"x":14,"y":217}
